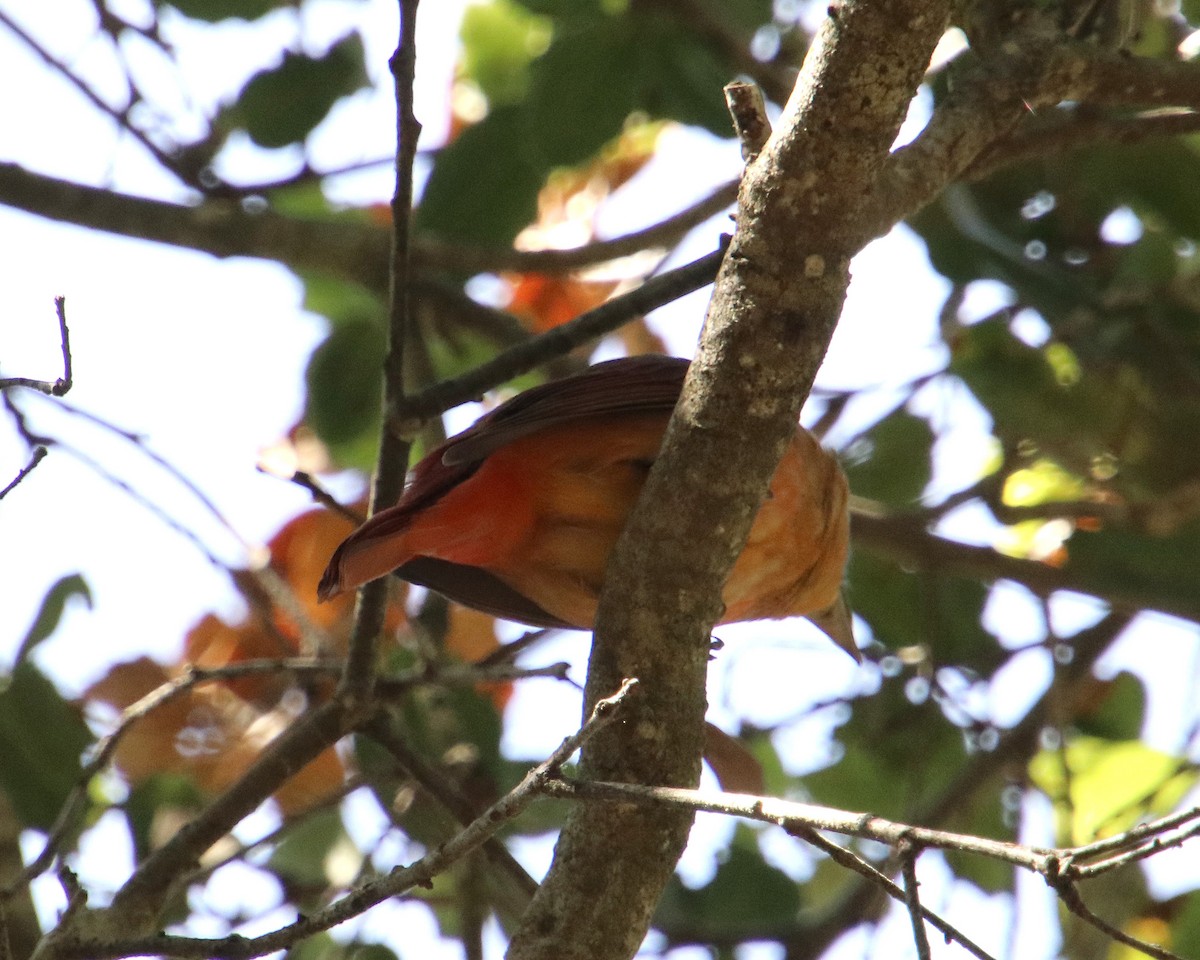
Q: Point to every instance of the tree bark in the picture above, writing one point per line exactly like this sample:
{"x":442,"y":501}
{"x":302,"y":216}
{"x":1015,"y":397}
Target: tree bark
{"x":773,"y":311}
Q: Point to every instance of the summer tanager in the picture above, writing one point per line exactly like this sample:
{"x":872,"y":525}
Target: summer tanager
{"x":517,"y":515}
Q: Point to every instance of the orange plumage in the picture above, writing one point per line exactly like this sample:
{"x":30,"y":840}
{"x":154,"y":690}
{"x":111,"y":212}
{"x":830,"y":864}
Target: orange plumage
{"x":517,"y":515}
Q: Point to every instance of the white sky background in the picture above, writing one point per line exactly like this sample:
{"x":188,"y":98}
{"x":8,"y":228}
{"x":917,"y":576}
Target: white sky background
{"x":205,"y":359}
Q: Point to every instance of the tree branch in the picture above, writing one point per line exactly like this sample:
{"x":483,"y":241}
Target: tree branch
{"x":120,"y":116}
{"x":136,"y":905}
{"x":773,"y":311}
{"x":523,"y":357}
{"x":910,"y":544}
{"x":352,"y":251}
{"x":94,"y":942}
{"x":392,"y":463}
{"x":990,"y":96}
{"x":1062,"y":130}
{"x":62,"y":385}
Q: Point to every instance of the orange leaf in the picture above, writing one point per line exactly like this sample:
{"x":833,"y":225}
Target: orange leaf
{"x":213,"y":643}
{"x":471,"y":636}
{"x":544,"y":301}
{"x":300,"y":552}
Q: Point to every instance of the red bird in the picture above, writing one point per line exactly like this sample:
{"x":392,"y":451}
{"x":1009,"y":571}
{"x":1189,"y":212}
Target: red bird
{"x":518,"y":514}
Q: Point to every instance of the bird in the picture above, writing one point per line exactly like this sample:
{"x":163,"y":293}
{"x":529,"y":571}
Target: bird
{"x":517,"y":515}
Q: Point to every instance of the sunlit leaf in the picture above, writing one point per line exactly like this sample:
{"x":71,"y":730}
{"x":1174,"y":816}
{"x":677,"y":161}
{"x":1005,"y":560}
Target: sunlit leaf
{"x":500,"y":39}
{"x":1110,"y":785}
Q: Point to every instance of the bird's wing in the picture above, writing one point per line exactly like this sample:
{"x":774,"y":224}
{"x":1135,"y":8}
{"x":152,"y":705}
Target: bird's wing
{"x":624,"y":387}
{"x":477,"y":588}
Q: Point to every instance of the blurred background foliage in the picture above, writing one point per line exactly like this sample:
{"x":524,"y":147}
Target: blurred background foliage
{"x":1085,"y":364}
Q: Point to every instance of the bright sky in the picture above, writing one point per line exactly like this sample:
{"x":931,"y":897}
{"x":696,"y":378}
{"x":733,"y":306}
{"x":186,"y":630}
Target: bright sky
{"x":204,"y":359}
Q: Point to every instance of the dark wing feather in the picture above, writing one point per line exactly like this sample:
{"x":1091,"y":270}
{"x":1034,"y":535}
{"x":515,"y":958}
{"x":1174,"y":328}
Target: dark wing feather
{"x":477,"y":588}
{"x":625,"y":387}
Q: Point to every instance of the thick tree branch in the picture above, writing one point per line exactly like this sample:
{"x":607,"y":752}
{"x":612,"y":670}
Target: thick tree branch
{"x":352,"y":251}
{"x":773,"y":311}
{"x":223,"y":228}
{"x":1061,"y":131}
{"x":991,"y":99}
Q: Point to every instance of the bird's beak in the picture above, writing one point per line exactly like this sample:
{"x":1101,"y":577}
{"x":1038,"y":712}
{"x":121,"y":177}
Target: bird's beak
{"x":837,"y":623}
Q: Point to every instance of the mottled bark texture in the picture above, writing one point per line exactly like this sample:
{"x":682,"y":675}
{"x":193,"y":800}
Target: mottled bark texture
{"x":776,"y":303}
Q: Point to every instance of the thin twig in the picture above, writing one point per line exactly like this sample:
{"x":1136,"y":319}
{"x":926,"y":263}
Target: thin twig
{"x":447,"y":794}
{"x":38,"y":455}
{"x":60,"y":386}
{"x":912,"y":897}
{"x":1166,"y":841}
{"x":847,"y":859}
{"x":749,"y":113}
{"x":139,"y":440}
{"x":119,"y":115}
{"x":1046,"y":861}
{"x":394,"y":446}
{"x":64,"y":335}
{"x":1069,"y":894}
{"x":306,"y":481}
{"x":561,"y":340}
{"x":270,"y":585}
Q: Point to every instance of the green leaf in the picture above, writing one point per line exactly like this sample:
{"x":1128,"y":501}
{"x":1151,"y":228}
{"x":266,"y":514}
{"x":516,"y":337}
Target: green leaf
{"x":345,"y":390}
{"x":371,"y":951}
{"x":342,"y":302}
{"x":308,"y":853}
{"x":649,"y":65}
{"x":500,"y":39}
{"x":897,"y":467}
{"x":42,"y":738}
{"x":282,"y":105}
{"x":908,"y":609}
{"x":53,"y":606}
{"x":1185,"y":929}
{"x":1120,"y":711}
{"x":746,"y":893}
{"x":213,"y":11}
{"x":1158,"y":572}
{"x":483,"y":188}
